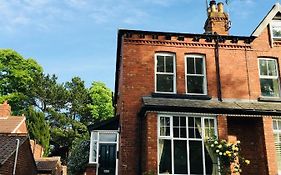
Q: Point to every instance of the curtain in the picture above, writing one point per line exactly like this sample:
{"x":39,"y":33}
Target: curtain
{"x":208,"y":148}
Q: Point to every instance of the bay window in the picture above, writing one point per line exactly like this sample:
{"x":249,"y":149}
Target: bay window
{"x":181,"y":146}
{"x":165,"y":80}
{"x":269,"y":77}
{"x":195,"y":74}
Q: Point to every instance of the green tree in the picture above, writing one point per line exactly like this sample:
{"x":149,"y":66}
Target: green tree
{"x":17,"y":76}
{"x":38,"y":128}
{"x":101,"y":107}
{"x":79,"y":156}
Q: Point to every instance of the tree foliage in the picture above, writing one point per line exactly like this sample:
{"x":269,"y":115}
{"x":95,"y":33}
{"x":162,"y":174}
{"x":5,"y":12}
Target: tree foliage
{"x":101,"y":107}
{"x":17,"y":76}
{"x":38,"y":127}
{"x":57,"y":113}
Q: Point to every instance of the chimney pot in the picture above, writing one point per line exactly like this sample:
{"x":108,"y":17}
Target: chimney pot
{"x":220,"y":7}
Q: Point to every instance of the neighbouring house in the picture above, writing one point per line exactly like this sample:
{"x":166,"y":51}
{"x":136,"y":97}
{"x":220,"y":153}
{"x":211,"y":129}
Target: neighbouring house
{"x":15,"y":153}
{"x":47,"y":165}
{"x":172,"y":90}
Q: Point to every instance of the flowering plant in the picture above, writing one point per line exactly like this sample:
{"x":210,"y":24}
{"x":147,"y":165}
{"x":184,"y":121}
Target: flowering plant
{"x":228,"y":154}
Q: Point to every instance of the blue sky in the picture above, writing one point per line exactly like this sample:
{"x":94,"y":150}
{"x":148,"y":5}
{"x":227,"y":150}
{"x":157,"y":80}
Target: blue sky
{"x":78,"y":37}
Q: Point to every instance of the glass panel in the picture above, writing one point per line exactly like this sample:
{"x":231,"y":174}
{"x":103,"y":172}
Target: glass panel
{"x":160,"y":63}
{"x":108,"y":137}
{"x":209,"y":162}
{"x":183,"y":132}
{"x":164,"y":126}
{"x":183,"y":121}
{"x":169,"y":64}
{"x":269,"y":87}
{"x":195,"y":84}
{"x":165,"y":83}
{"x":165,"y":157}
{"x":190,"y":65}
{"x":279,"y":124}
{"x":195,"y":157}
{"x":199,"y":65}
{"x":272,"y":68}
{"x":180,"y":157}
{"x":94,"y":152}
{"x":95,"y":135}
{"x":276,"y":31}
{"x":198,"y":128}
{"x":176,"y":132}
{"x":263,"y":67}
{"x":176,"y":121}
{"x":275,"y":124}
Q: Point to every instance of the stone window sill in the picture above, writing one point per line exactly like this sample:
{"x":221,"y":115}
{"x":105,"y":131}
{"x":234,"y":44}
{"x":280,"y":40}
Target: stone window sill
{"x":269,"y":99}
{"x":182,"y":96}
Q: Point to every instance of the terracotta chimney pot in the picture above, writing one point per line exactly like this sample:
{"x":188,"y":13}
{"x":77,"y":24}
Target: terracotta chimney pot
{"x":5,"y":110}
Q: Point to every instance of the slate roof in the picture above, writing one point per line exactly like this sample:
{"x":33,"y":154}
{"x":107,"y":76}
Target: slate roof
{"x":211,"y":106}
{"x":8,"y":144}
{"x":9,"y":124}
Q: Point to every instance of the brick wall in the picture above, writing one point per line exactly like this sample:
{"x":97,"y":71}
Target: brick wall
{"x":239,"y":80}
{"x":25,"y":163}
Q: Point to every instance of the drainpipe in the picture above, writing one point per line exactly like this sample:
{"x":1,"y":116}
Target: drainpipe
{"x":16,"y":157}
{"x":219,"y":93}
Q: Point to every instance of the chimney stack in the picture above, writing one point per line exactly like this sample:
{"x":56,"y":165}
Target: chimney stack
{"x":218,"y":20}
{"x":5,"y":110}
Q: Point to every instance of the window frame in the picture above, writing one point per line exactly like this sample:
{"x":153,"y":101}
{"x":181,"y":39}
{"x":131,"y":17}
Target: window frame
{"x":187,"y":139}
{"x":277,"y":77}
{"x":98,"y":143}
{"x":204,"y":75}
{"x":166,"y":73}
{"x":274,"y":23}
{"x":276,"y":131}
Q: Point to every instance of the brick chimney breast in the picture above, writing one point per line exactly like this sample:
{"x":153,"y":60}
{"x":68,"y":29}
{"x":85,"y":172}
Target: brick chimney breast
{"x":5,"y":110}
{"x":218,"y":20}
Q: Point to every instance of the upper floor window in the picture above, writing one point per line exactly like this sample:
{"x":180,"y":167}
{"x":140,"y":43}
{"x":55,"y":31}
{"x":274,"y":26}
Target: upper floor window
{"x":276,"y":29}
{"x":269,"y":77}
{"x":165,"y":73}
{"x":195,"y":74}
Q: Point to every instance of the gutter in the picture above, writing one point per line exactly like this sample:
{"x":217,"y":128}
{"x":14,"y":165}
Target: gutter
{"x":16,"y":156}
{"x":218,"y":76}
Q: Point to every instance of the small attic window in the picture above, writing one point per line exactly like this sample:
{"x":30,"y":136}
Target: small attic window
{"x":276,"y":30}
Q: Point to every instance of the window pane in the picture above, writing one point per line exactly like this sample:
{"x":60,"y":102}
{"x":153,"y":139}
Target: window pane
{"x":94,"y":152}
{"x":164,"y":126}
{"x":195,"y":157}
{"x":183,"y":121}
{"x":165,"y":83}
{"x":108,"y":137}
{"x":195,"y":84}
{"x":275,"y":125}
{"x":165,"y":157}
{"x":169,"y":64}
{"x":180,"y":157}
{"x":176,"y":121}
{"x":272,"y":68}
{"x":269,"y":87}
{"x":209,"y":164}
{"x":199,"y":65}
{"x":160,"y":63}
{"x":263,"y":67}
{"x":190,"y":65}
{"x":276,"y":31}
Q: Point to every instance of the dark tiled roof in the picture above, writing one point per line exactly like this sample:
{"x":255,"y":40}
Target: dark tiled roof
{"x":109,"y":124}
{"x":188,"y":105}
{"x":8,"y":145}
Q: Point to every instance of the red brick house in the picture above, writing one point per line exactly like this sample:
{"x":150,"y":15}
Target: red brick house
{"x":15,"y":152}
{"x":172,"y":90}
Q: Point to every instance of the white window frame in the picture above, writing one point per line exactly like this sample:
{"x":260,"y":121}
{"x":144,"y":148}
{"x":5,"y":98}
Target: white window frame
{"x":269,"y":76}
{"x":201,"y":75}
{"x":275,"y":23}
{"x":277,"y":131}
{"x":203,"y":117}
{"x":166,"y":73}
{"x":98,"y":143}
